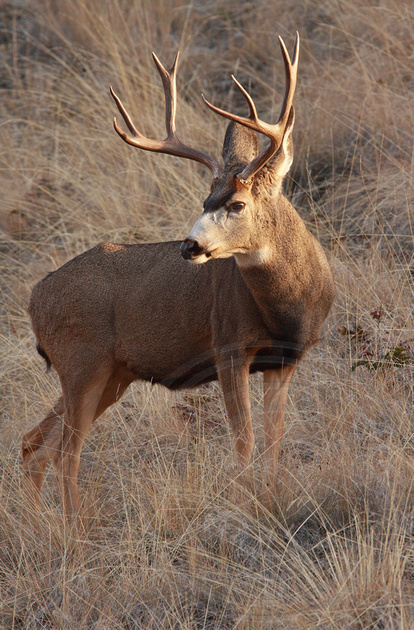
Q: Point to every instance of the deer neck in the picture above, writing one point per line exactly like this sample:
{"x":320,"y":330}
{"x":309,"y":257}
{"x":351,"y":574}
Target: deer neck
{"x":280,"y":272}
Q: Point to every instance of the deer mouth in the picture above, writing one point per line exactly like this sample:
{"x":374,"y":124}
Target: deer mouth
{"x":192,"y":250}
{"x":199,"y":259}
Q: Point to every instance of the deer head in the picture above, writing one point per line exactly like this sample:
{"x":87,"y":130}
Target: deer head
{"x":249,"y":182}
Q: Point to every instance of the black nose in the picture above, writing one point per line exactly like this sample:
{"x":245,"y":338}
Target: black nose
{"x":190,"y":248}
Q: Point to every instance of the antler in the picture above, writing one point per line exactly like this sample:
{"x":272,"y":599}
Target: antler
{"x":275,"y":132}
{"x":171,"y":145}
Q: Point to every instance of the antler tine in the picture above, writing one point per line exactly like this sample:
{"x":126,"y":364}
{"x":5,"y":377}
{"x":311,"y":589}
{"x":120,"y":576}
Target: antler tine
{"x":171,"y":145}
{"x":125,"y":116}
{"x":169,"y":82}
{"x":291,"y":68}
{"x":274,"y":132}
{"x":251,"y":121}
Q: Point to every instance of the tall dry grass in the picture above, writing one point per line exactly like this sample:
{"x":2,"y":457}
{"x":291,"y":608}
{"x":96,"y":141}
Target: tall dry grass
{"x":174,"y":541}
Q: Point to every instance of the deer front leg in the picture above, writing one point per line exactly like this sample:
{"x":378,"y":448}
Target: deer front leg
{"x":234,"y":380}
{"x":275,"y":385}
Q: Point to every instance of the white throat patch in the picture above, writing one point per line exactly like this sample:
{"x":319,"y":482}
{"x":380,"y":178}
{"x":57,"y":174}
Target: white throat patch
{"x":254,"y":259}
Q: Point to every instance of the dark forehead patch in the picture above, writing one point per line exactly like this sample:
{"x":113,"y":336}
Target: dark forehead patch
{"x":221,"y":191}
{"x":214,"y":201}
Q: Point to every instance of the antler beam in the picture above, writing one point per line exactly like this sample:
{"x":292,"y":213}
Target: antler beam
{"x":172,"y":144}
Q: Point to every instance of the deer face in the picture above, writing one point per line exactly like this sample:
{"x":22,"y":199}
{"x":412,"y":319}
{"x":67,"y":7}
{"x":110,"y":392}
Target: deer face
{"x":225,"y":227}
{"x":227,"y":223}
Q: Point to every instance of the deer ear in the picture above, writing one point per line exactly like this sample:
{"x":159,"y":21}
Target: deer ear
{"x":240,"y":145}
{"x":280,"y":164}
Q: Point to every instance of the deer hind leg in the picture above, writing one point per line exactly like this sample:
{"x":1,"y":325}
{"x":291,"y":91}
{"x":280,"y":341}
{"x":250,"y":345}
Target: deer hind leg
{"x":61,"y":434}
{"x":38,"y":446}
{"x":234,"y":380}
{"x":82,"y":407}
{"x":80,"y":411}
{"x":115,"y":387}
{"x":275,"y":385}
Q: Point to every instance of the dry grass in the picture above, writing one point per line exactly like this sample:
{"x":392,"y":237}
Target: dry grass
{"x":174,"y":540}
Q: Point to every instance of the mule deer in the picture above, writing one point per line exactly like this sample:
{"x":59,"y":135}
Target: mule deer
{"x":118,"y":313}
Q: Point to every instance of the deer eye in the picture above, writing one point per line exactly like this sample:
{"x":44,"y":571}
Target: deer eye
{"x":236,"y":206}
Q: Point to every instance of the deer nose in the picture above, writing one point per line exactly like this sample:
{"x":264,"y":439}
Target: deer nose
{"x":190,"y":249}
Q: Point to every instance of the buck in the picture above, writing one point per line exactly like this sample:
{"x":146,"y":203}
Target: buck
{"x":248,"y":290}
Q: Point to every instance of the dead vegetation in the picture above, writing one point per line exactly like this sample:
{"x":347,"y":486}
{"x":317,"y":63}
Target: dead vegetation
{"x":174,"y":540}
